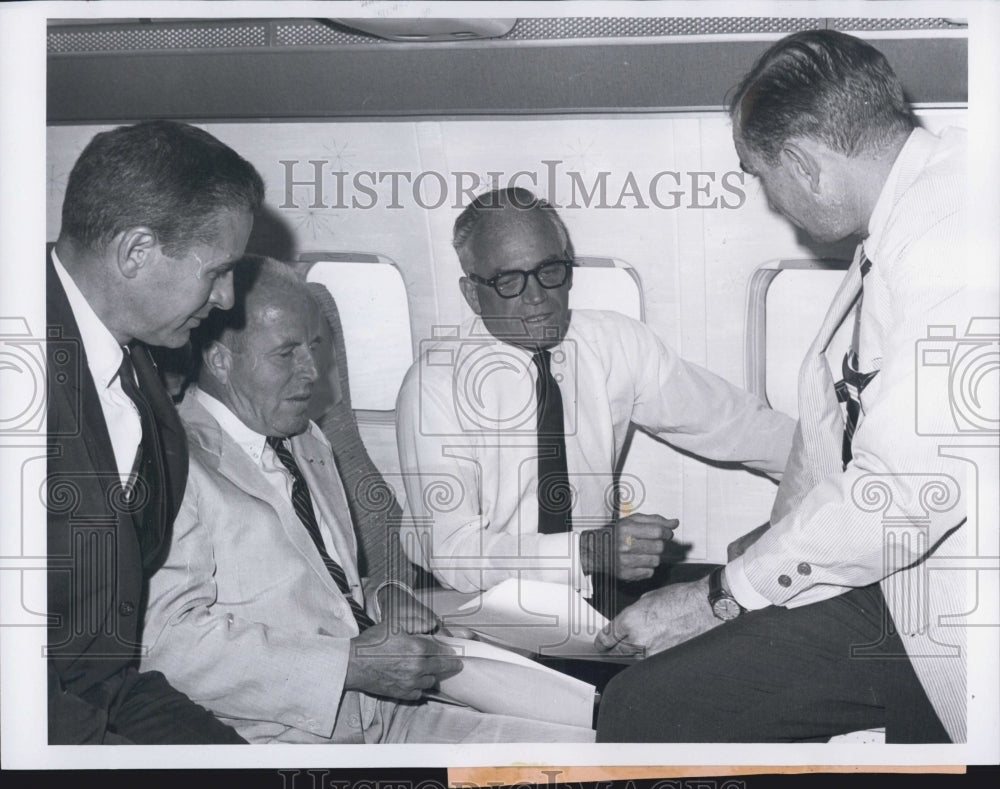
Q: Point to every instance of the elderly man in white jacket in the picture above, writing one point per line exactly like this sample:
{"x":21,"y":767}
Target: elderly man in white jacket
{"x":258,"y":612}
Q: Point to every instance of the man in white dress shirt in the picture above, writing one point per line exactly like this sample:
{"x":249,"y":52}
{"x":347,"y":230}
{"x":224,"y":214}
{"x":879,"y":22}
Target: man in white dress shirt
{"x":846,"y":613}
{"x":258,"y":612}
{"x":510,"y":430}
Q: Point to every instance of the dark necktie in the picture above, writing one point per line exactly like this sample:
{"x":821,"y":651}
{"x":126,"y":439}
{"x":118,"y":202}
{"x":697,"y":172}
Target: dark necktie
{"x":146,"y":490}
{"x":302,"y":502}
{"x":555,"y":497}
{"x":853,"y":383}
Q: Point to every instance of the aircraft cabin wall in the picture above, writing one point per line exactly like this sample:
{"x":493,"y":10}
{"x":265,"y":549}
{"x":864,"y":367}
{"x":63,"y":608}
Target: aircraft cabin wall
{"x":662,"y":193}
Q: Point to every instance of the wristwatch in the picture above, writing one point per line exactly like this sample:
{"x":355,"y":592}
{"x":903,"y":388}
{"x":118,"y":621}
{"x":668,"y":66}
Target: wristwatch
{"x":724,"y":605}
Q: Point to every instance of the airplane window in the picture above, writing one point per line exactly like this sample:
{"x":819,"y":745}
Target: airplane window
{"x":607,"y":284}
{"x":795,"y":297}
{"x":375,"y":315}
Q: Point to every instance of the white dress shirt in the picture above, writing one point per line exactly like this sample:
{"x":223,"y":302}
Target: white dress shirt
{"x":104,"y":357}
{"x":466,"y":418}
{"x":256,"y":446}
{"x":825,"y":540}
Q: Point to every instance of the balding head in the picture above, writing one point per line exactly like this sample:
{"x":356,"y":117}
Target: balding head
{"x":259,"y":358}
{"x":499,"y":211}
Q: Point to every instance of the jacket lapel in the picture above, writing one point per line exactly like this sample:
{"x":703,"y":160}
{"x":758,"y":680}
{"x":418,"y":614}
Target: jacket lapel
{"x":171,"y":430}
{"x":321,"y":475}
{"x":172,"y":441}
{"x":226,"y":457}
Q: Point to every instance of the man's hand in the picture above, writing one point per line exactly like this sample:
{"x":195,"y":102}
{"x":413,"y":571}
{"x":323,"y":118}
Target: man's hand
{"x":631,"y":549}
{"x":405,"y":613}
{"x":397,"y":666}
{"x":659,"y":620}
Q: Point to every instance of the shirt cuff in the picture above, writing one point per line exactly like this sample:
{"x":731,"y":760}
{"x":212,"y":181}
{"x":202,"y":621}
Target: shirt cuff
{"x":742,"y":589}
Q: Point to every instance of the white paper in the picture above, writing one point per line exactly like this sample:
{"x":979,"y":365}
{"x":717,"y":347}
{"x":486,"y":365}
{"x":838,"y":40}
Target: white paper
{"x":539,"y":617}
{"x":501,"y":682}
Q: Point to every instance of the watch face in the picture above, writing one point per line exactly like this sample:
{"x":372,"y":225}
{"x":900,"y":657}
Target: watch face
{"x":726,"y":608}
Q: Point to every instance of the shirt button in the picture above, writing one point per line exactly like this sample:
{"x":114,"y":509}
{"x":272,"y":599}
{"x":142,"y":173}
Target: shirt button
{"x":355,"y":721}
{"x":338,"y":613}
{"x":784,"y":580}
{"x":804,"y":568}
{"x":126,"y":608}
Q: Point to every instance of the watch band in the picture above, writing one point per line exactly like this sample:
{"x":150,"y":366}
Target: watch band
{"x":724,"y":606}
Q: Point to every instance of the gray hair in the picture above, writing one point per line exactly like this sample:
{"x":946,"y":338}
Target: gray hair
{"x":514,"y":197}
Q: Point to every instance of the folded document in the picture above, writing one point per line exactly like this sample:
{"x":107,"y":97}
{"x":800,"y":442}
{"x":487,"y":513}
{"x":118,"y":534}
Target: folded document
{"x":501,"y":682}
{"x":538,"y":617}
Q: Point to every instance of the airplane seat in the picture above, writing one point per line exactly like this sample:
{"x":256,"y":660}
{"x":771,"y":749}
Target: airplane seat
{"x":786,"y":303}
{"x":374,"y":508}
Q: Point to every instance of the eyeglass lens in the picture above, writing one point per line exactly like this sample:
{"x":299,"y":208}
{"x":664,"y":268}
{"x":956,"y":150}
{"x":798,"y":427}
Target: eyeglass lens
{"x":549,"y":275}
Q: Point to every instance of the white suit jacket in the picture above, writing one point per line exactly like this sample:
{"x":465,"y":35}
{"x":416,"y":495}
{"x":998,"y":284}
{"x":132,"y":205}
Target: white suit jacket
{"x":243,"y":617}
{"x":897,"y":513}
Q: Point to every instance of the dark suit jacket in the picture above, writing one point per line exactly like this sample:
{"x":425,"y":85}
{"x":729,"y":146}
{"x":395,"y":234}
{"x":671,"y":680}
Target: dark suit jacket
{"x":96,"y":577}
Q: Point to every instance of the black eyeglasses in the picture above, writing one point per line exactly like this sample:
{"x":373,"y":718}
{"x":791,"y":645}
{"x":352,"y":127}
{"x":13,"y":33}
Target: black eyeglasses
{"x":511,"y":284}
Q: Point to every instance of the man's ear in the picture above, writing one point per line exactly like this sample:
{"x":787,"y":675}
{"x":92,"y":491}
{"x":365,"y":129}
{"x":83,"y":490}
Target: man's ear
{"x":471,"y":293}
{"x":135,"y":248}
{"x":218,"y":361}
{"x":803,"y":162}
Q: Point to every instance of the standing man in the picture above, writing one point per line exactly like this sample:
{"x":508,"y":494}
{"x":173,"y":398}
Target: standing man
{"x":509,"y":430}
{"x":154,"y":219}
{"x":835,"y":619}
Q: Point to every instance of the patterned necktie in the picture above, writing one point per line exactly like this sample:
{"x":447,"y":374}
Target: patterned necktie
{"x":302,"y":502}
{"x":146,"y":489}
{"x":853,"y":383}
{"x":555,"y":496}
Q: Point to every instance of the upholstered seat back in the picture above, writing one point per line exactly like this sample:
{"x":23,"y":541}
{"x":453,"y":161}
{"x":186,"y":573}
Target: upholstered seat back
{"x":374,"y":508}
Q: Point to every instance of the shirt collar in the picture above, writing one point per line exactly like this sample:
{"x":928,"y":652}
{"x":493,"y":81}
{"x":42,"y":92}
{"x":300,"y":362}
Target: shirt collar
{"x":250,"y":441}
{"x":476,"y":331}
{"x":909,"y":158}
{"x":104,"y":354}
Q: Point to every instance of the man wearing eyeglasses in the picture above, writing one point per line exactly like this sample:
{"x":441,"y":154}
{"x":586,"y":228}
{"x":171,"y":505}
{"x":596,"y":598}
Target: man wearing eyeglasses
{"x":510,"y":426}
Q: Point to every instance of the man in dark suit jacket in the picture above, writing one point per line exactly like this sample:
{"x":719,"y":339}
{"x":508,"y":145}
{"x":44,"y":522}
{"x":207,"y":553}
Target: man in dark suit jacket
{"x":154,"y":219}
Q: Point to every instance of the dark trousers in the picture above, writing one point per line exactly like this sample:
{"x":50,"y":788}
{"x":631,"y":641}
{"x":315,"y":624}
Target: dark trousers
{"x":776,"y":675}
{"x":132,"y":708}
{"x":151,"y":712}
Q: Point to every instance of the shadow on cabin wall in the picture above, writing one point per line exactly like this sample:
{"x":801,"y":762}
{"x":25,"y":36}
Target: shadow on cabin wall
{"x":272,"y":237}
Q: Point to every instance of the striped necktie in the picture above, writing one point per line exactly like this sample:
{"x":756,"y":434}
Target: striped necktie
{"x":302,"y":502}
{"x":853,"y":383}
{"x":555,"y":497}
